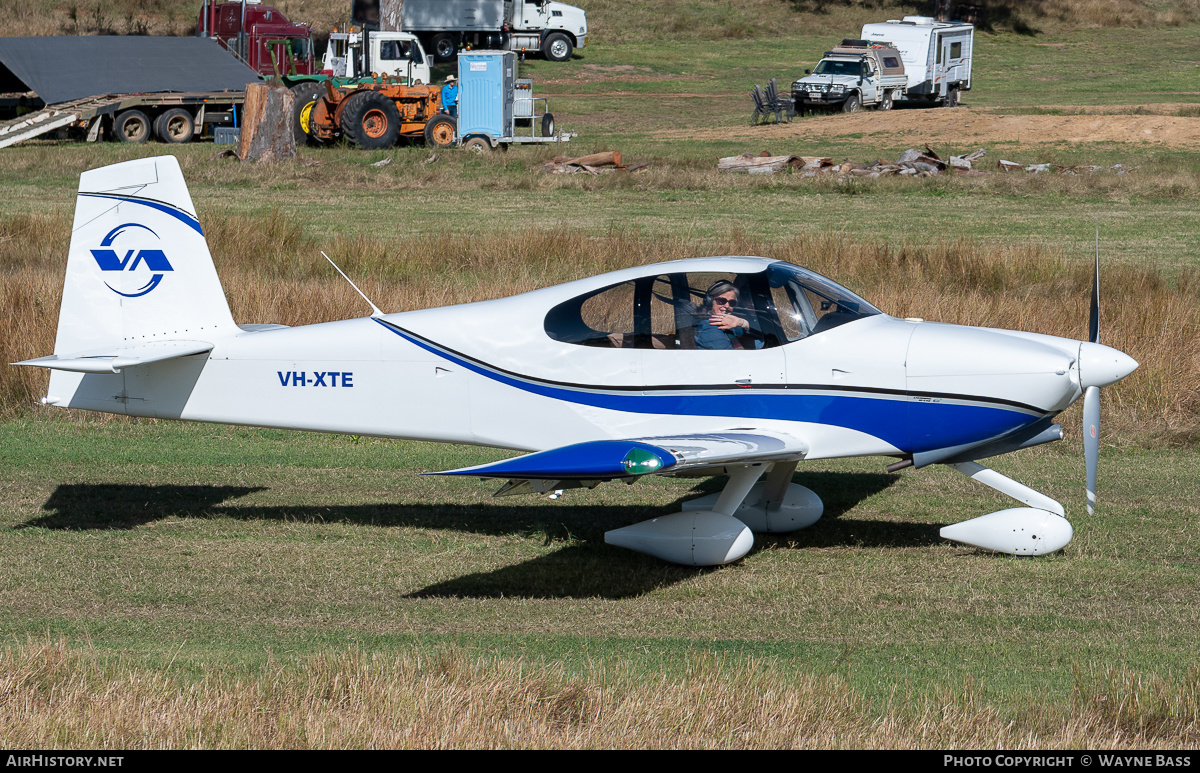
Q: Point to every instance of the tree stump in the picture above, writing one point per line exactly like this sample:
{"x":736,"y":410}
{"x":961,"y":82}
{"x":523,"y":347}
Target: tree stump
{"x":267,"y":132}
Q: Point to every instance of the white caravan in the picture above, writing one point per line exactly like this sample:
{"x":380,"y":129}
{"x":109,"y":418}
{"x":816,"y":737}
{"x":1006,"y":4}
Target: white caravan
{"x":937,"y":56}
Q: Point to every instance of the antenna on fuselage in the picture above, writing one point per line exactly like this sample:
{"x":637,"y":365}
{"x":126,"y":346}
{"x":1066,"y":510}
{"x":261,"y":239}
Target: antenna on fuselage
{"x":375,"y":312}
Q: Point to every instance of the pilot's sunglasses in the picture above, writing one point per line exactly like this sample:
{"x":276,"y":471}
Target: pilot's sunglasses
{"x":726,"y":301}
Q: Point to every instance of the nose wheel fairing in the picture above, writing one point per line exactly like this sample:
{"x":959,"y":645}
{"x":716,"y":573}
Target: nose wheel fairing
{"x":1034,"y":530}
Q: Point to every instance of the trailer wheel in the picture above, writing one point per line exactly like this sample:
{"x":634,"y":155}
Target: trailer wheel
{"x":440,"y":131}
{"x":305,"y":96}
{"x":371,"y":121}
{"x":951,"y":98}
{"x":175,"y":126}
{"x":444,"y":47}
{"x":478,"y":145}
{"x":548,"y":125}
{"x":131,"y":126}
{"x":886,"y":102}
{"x":557,"y":47}
{"x":852,"y":104}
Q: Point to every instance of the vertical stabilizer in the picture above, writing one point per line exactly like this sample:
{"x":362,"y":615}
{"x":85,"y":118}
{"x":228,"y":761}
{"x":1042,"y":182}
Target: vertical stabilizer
{"x":138,"y":270}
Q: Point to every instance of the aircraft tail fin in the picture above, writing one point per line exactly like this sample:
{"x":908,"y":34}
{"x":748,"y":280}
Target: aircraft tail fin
{"x":139,"y":270}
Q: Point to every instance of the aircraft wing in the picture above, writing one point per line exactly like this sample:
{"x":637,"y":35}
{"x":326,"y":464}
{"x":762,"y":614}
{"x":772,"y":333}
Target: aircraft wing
{"x":587,"y":464}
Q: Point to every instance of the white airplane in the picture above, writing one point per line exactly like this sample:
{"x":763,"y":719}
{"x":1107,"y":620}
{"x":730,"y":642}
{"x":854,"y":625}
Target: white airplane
{"x":644,"y":371}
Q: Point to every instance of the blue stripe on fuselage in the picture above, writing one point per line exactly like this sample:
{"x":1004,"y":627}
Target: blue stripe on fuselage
{"x":911,"y":426}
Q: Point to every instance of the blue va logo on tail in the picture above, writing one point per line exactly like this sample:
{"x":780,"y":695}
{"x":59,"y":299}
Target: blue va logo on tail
{"x":154,"y":261}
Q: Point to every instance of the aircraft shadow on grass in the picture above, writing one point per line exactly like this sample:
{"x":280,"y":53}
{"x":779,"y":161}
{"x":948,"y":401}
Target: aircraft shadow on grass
{"x":583,"y":568}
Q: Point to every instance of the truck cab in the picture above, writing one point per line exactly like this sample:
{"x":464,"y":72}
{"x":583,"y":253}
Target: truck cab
{"x":854,"y":75}
{"x":395,"y":54}
{"x":264,"y":39}
{"x":553,"y":28}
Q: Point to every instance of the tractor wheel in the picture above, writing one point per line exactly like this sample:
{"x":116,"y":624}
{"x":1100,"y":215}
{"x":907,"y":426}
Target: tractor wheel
{"x":175,"y":126}
{"x":440,"y":131}
{"x":131,"y":126}
{"x":305,"y":96}
{"x":371,"y":121}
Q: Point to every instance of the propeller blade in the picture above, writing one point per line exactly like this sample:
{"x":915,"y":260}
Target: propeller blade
{"x":1091,"y":441}
{"x":1094,"y":317}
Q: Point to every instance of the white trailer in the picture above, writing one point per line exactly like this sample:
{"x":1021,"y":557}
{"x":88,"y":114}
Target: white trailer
{"x":937,"y":56}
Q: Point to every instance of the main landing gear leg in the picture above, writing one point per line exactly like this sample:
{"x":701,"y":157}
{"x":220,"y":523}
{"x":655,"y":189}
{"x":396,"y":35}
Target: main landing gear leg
{"x":1035,"y":530}
{"x":775,"y":506}
{"x":703,"y":536}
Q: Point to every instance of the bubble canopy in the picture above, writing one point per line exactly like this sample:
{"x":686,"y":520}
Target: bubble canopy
{"x":773,"y":304}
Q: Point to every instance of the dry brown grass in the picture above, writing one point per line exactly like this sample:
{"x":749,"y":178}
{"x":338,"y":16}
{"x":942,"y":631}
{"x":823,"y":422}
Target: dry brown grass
{"x":272,"y":273}
{"x":53,"y":696}
{"x":1075,"y":14}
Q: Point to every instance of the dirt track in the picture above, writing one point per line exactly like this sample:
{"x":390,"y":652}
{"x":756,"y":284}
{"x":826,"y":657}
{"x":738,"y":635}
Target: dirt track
{"x":961,"y":127}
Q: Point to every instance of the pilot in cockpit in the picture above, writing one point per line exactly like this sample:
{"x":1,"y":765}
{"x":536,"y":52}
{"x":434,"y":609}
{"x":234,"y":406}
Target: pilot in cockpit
{"x":717,"y":326}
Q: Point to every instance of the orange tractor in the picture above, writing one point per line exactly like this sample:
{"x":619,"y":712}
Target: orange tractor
{"x":377,"y":114}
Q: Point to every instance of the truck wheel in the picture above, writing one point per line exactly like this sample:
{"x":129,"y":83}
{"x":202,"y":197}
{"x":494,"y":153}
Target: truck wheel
{"x":444,"y":47}
{"x":886,"y":102}
{"x":557,"y":47}
{"x":440,"y":131}
{"x":548,"y":125}
{"x":305,"y":96}
{"x":852,"y":104}
{"x":371,"y":121}
{"x":478,"y":145}
{"x":131,"y":126}
{"x":175,"y":126}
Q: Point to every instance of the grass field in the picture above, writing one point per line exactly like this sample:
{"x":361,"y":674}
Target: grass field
{"x":186,"y":586}
{"x":223,"y":563}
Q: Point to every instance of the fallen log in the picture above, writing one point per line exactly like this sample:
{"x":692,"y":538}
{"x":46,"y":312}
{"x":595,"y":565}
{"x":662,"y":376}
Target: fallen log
{"x":611,"y":158}
{"x":749,"y":164}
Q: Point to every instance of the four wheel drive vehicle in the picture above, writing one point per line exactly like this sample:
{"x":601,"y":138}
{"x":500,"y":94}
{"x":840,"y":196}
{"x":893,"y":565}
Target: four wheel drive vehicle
{"x":526,"y":26}
{"x":378,"y":115}
{"x":937,"y":56}
{"x":853,"y":75}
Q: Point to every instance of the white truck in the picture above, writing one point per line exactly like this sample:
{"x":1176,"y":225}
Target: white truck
{"x":444,"y":26}
{"x":395,"y":54}
{"x":937,"y":56}
{"x":854,"y":75}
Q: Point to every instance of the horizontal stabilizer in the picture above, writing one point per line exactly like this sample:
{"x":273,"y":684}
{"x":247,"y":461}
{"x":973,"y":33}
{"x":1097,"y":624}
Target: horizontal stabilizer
{"x":113,"y":360}
{"x":609,"y":459}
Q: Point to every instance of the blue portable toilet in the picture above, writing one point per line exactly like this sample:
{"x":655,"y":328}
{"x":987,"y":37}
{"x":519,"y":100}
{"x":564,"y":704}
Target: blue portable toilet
{"x":485,"y":93}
